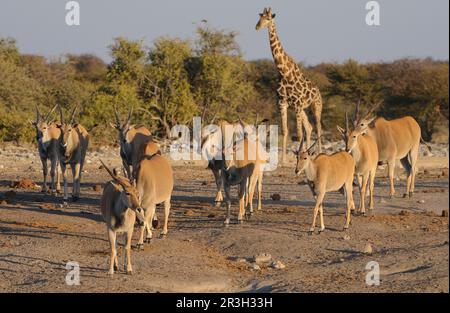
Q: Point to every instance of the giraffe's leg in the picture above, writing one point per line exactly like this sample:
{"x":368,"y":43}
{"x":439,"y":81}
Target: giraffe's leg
{"x":316,"y":107}
{"x":305,"y":124}
{"x":283,"y":105}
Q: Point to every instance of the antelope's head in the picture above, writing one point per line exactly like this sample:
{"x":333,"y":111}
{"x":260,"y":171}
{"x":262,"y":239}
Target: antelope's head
{"x":265,"y":18}
{"x":304,"y":156}
{"x":123,"y":128}
{"x":362,"y":124}
{"x":68,"y":138}
{"x":42,"y":125}
{"x":129,"y":195}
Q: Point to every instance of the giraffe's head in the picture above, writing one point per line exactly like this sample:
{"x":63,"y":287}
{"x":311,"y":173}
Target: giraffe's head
{"x":265,"y":18}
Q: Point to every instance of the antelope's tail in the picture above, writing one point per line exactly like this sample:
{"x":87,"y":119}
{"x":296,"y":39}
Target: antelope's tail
{"x":425,"y":143}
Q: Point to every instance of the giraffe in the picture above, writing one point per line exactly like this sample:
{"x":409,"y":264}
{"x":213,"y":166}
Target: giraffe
{"x":294,"y":89}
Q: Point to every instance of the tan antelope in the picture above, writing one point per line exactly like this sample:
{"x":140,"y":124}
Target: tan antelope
{"x":243,"y":166}
{"x":327,"y":173}
{"x":47,"y":136}
{"x":73,"y":144}
{"x":212,"y":145}
{"x":154,"y":183}
{"x":364,"y":151}
{"x":131,"y":140}
{"x":120,"y":206}
{"x":397,"y":139}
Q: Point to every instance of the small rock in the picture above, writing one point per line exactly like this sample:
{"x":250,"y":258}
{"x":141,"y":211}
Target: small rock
{"x":262,"y":258}
{"x":421,"y":201}
{"x":241,"y":260}
{"x":2,"y":166}
{"x":189,"y":212}
{"x":97,"y":188}
{"x":255,"y":266}
{"x":346,"y":237}
{"x":368,"y":249}
{"x":276,"y":197}
{"x":278,"y":265}
{"x":444,"y":213}
{"x":204,"y":183}
{"x":100,"y":167}
{"x":341,"y":260}
{"x":404,"y":213}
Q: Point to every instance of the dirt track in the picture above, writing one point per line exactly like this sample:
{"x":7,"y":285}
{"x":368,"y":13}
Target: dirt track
{"x":409,"y":238}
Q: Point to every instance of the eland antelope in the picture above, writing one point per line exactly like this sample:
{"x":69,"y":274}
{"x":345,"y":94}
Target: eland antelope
{"x":243,"y":165}
{"x":47,"y":136}
{"x":120,"y":206}
{"x":73,"y":144}
{"x":397,"y":139}
{"x":364,"y":151}
{"x":131,"y":140}
{"x":326,"y":173}
{"x":154,"y":183}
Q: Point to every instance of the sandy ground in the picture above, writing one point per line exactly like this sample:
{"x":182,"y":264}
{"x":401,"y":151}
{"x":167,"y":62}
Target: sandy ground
{"x":409,"y":238}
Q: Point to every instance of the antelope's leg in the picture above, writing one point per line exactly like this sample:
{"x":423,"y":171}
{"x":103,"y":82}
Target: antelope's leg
{"x":371,"y":188}
{"x":113,"y":257}
{"x":414,"y":154}
{"x":408,"y":168}
{"x":241,"y":195}
{"x":391,"y":169}
{"x":251,"y":190}
{"x":359,"y":178}
{"x":129,"y":236}
{"x":58,"y":177}
{"x":228,"y":203}
{"x":76,"y":171}
{"x":166,"y":216}
{"x":322,"y":225}
{"x":149,"y":213}
{"x":350,"y":203}
{"x":319,"y":201}
{"x":44,"y":172}
{"x":53,"y":172}
{"x":362,"y":193}
{"x":260,"y":178}
{"x":218,"y":179}
{"x":64,"y":175}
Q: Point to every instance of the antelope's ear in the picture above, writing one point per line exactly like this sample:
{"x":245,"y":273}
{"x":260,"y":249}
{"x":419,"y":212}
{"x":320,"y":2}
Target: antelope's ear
{"x":58,"y":125}
{"x":340,"y":129}
{"x":260,"y":14}
{"x":273,"y":15}
{"x":34,"y":123}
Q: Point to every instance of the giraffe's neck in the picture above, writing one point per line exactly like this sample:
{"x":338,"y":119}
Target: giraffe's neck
{"x":278,"y":53}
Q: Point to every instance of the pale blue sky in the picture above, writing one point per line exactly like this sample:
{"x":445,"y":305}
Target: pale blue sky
{"x":312,"y":31}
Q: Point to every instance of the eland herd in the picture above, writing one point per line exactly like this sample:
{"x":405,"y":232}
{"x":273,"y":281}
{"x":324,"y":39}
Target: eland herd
{"x":147,"y":179}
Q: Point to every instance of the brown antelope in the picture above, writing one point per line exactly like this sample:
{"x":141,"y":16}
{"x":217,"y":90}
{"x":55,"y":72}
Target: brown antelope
{"x":243,"y":166}
{"x":131,"y":138}
{"x":47,"y":136}
{"x":327,"y":173}
{"x":397,"y":139}
{"x":73,"y":144}
{"x":364,"y":151}
{"x":154,"y":183}
{"x":120,"y":205}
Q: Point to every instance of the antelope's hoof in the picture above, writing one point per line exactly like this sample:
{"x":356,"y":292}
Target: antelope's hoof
{"x":310,"y":232}
{"x":345,"y":228}
{"x":155,"y":224}
{"x":140,"y":246}
{"x":162,"y":236}
{"x":129,"y":272}
{"x":110,"y":274}
{"x":410,"y":194}
{"x":321,"y":230}
{"x":405,"y":195}
{"x":148,"y":240}
{"x":217,"y":204}
{"x":75,"y":198}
